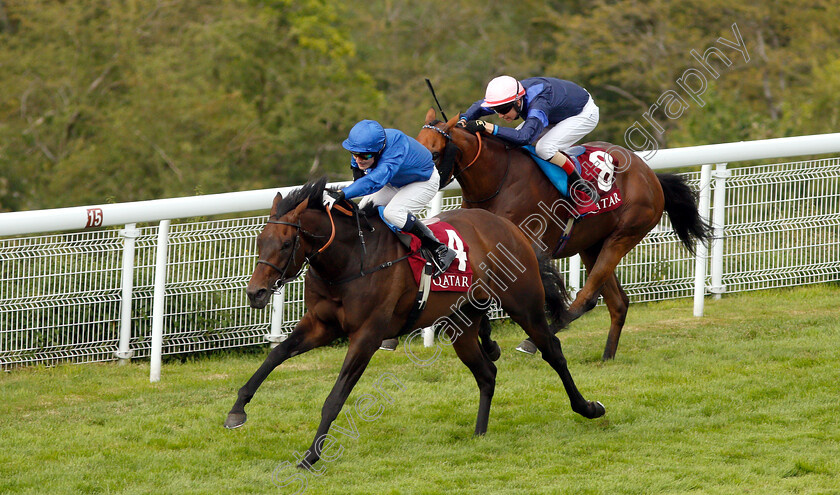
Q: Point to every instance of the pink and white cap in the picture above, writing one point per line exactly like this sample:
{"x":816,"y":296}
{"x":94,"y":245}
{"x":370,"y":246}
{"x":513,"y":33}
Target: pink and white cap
{"x":501,"y":90}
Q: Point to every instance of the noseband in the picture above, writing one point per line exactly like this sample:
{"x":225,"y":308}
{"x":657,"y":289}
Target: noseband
{"x":282,"y":271}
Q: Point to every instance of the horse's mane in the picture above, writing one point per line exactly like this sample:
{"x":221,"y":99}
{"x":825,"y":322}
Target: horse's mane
{"x":312,"y":190}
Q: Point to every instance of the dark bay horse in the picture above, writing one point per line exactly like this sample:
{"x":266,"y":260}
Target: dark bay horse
{"x":505,"y":180}
{"x":359,"y":285}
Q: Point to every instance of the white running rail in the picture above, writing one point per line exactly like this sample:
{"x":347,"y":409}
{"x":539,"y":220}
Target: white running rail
{"x":103,"y":288}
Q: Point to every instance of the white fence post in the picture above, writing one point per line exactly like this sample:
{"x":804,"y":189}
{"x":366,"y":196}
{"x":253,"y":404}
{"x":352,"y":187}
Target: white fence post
{"x":158,"y":306}
{"x":718,"y":220}
{"x":700,"y":248}
{"x":129,"y":233}
{"x":434,"y":209}
{"x":278,"y":303}
{"x":436,"y":205}
{"x":574,"y":275}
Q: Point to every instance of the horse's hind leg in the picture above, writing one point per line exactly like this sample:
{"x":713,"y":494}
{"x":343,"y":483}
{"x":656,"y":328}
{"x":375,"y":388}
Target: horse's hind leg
{"x":473,"y":356}
{"x":617,"y":303}
{"x":549,"y":346}
{"x":308,"y":334}
{"x":490,"y":346}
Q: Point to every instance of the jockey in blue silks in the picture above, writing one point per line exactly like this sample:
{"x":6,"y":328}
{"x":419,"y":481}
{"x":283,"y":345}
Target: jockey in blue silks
{"x":556,"y":114}
{"x":395,"y":170}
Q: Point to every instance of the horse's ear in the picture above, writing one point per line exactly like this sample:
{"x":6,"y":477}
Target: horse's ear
{"x":300,"y":208}
{"x":276,"y":203}
{"x":431,"y":116}
{"x":452,"y":122}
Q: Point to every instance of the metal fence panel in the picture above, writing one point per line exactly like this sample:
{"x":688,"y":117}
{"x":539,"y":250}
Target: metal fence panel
{"x":782,"y":225}
{"x":60,"y":294}
{"x":60,"y":298}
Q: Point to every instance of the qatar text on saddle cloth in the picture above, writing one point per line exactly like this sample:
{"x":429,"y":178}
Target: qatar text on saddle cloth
{"x":458,"y":277}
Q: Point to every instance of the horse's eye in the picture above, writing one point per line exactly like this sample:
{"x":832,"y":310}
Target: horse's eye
{"x":435,"y":155}
{"x":286,"y":244}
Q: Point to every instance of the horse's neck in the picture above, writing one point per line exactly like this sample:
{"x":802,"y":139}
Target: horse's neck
{"x":346,"y":256}
{"x":509,"y":182}
{"x":484,"y":178}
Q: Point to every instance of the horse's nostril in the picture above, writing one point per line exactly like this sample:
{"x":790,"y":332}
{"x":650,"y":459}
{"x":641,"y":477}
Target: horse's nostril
{"x":258,"y":297}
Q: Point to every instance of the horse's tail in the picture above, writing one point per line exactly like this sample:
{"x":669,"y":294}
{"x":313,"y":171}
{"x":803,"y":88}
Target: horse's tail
{"x":681,"y":205}
{"x":556,"y":297}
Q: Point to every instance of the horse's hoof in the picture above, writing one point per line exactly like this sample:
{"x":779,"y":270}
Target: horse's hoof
{"x":527,"y":347}
{"x":600,"y":410}
{"x":235,"y":420}
{"x":495,"y":353}
{"x":389,"y":344}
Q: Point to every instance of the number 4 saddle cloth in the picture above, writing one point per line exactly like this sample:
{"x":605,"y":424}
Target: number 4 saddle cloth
{"x":595,"y":166}
{"x":458,"y":277}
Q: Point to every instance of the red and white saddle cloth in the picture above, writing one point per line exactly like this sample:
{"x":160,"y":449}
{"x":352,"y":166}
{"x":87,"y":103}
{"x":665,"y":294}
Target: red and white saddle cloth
{"x":458,"y":277}
{"x":597,"y":168}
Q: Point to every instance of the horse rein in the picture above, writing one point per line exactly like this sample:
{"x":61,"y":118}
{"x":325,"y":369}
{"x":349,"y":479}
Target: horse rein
{"x":283,"y":279}
{"x":362,"y":271}
{"x":308,"y":259}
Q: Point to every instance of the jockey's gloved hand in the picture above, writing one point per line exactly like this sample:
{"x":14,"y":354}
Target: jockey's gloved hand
{"x":462,"y":122}
{"x":474,"y":126}
{"x":331,"y":197}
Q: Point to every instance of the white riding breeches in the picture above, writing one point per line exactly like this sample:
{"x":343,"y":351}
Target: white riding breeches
{"x":400,"y":201}
{"x":563,"y":135}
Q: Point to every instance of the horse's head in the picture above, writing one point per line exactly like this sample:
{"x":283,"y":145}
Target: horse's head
{"x":296,"y":229}
{"x":438,"y":137}
{"x":479,"y":161}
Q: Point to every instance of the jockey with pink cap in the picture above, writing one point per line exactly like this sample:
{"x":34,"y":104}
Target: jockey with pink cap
{"x":556,"y":114}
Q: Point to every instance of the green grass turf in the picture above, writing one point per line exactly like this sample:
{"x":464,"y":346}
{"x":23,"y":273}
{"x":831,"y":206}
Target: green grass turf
{"x":743,"y":400}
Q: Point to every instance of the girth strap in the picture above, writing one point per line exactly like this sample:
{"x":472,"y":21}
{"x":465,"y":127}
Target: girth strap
{"x":421,"y":299}
{"x":361,"y":274}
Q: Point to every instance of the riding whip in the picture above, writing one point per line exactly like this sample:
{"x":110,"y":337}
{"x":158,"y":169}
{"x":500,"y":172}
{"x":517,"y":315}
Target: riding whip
{"x":429,"y":83}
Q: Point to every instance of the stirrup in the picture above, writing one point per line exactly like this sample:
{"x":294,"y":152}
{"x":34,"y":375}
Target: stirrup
{"x":439,"y":262}
{"x":591,"y":192}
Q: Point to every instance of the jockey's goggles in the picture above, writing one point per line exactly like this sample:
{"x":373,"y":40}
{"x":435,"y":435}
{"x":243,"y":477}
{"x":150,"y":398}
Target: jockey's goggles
{"x":503,"y":109}
{"x":367,"y":155}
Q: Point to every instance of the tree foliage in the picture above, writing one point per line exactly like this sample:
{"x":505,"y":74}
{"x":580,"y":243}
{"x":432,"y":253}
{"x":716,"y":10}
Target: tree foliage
{"x":106,"y":100}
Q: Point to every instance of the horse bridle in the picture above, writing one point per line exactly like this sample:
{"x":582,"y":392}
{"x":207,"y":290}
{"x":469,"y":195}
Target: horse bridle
{"x":307,"y":259}
{"x":454,"y":175}
{"x":443,"y":159}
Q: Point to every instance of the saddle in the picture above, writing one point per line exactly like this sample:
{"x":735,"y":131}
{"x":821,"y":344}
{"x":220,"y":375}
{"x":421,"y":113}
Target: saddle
{"x":595,"y":166}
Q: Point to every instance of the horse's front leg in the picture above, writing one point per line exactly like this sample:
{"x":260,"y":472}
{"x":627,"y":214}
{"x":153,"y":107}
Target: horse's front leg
{"x":361,"y":348}
{"x":308,"y":334}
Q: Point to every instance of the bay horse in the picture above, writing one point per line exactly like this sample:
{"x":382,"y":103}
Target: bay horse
{"x":505,"y":180}
{"x":360,"y":286}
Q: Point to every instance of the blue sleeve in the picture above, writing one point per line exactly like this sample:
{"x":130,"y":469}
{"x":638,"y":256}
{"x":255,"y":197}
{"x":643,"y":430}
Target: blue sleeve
{"x":375,"y":180}
{"x":475,"y":111}
{"x":530,"y":130}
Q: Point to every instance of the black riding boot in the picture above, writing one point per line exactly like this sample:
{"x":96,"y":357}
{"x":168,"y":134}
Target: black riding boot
{"x":577,"y":182}
{"x":442,"y":256}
